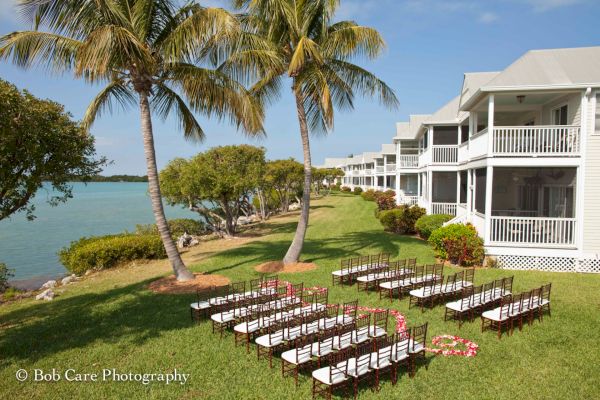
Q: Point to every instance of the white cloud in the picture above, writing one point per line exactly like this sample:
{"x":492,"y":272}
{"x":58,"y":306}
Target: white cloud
{"x":488,"y":17}
{"x":545,"y":5}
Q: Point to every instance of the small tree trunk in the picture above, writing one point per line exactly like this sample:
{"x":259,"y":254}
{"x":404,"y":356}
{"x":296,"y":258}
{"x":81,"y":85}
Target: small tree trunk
{"x":293,"y":253}
{"x":179,"y":268}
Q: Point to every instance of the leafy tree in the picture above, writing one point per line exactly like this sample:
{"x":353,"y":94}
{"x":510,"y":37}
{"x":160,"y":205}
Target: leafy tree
{"x":153,"y":53}
{"x":39,"y":142}
{"x":316,"y":55}
{"x":221,"y":178}
{"x":331,"y":175}
{"x":286,"y":178}
{"x":318,"y":177}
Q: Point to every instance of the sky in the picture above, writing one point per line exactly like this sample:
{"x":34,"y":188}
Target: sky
{"x":430,"y":45}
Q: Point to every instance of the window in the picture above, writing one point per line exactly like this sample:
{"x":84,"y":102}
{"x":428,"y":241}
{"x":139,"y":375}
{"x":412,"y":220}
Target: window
{"x":480,"y":183}
{"x":464,"y":133}
{"x":560,"y":115}
{"x":463,"y":187}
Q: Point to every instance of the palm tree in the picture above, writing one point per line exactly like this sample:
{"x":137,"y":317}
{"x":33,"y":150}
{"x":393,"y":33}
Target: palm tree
{"x":317,"y":55}
{"x":151,"y":52}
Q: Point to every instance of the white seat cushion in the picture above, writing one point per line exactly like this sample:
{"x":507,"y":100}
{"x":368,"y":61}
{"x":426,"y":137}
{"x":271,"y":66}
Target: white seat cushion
{"x":399,"y":355}
{"x":341,"y":272}
{"x":223,"y":317}
{"x":361,"y":335}
{"x":381,"y":359}
{"x":494,"y":315}
{"x":297,"y":358}
{"x":324,"y":375}
{"x":325,"y":348}
{"x":415,"y":347}
{"x":343,"y":341}
{"x":456,"y":306}
{"x":377,"y":331}
{"x":201,"y":305}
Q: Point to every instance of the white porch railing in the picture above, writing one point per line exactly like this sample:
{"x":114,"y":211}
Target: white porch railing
{"x":390,"y":168}
{"x":533,"y":231}
{"x":379,"y":169}
{"x":445,"y":154}
{"x":368,"y":171}
{"x":409,"y":200}
{"x":443,"y":208}
{"x":355,"y":172}
{"x":536,"y":140}
{"x":409,"y":161}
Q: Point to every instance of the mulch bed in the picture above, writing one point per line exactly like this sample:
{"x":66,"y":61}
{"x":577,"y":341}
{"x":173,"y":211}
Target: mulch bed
{"x":169,"y":285}
{"x":277,"y":266}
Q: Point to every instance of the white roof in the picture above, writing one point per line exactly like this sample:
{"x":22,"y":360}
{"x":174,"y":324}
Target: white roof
{"x":403,"y":130}
{"x":370,"y":157}
{"x":547,"y":69}
{"x":416,"y":121}
{"x":448,"y":114}
{"x":472,"y":82}
{"x":333,"y":162}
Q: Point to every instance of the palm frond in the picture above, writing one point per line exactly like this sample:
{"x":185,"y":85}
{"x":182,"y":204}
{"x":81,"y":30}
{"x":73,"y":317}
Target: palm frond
{"x":306,"y":51}
{"x":165,"y":101}
{"x":346,"y":39}
{"x":116,"y":92}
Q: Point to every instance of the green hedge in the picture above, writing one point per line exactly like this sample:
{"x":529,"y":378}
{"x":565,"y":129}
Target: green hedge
{"x":177,"y":227}
{"x":345,"y":189}
{"x":358,"y":190}
{"x":103,"y":252}
{"x":369,"y":195}
{"x":429,"y":223}
{"x":401,"y":219}
{"x":458,"y":243}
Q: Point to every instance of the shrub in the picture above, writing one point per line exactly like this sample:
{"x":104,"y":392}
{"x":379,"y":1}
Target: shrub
{"x":385,"y":201}
{"x":369,"y":195}
{"x":345,"y":189}
{"x":103,"y":252}
{"x":336,"y":187}
{"x":458,"y":243}
{"x":177,"y":226}
{"x":5,"y":274}
{"x":401,"y":219}
{"x":428,"y":223}
{"x":358,"y":190}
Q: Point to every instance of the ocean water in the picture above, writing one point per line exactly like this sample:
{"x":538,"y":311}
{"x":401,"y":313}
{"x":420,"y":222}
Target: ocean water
{"x":30,"y":247}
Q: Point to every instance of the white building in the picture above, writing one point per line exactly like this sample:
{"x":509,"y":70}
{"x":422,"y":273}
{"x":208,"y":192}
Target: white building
{"x":516,"y":153}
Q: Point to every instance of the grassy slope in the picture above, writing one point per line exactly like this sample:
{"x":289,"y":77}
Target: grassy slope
{"x":111,"y":321}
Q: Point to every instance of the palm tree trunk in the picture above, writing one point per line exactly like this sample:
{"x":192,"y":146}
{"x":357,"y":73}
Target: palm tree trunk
{"x":179,"y":268}
{"x":293,"y":253}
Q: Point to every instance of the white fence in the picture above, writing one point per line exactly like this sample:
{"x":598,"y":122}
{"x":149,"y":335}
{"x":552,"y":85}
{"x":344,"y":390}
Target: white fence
{"x":445,"y":154}
{"x":533,"y":231}
{"x":553,"y":264}
{"x":390,"y":168}
{"x":409,"y":200}
{"x":536,"y":140}
{"x":379,"y":169}
{"x":408,"y":161}
{"x":443,"y":208}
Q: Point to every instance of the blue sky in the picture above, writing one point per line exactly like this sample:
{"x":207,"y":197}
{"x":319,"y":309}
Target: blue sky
{"x":431,"y":43}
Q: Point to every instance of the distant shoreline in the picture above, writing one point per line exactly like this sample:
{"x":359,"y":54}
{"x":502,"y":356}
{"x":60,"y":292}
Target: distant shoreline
{"x":116,"y":178}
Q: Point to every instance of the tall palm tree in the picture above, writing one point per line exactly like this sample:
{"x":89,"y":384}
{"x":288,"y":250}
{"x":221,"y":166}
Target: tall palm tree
{"x":151,"y":52}
{"x":317,"y":56}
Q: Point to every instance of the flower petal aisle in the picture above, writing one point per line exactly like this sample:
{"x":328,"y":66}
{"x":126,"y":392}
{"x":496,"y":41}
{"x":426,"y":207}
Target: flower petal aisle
{"x":446,"y":345}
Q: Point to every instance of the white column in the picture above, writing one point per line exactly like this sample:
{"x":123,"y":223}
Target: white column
{"x":469,"y":194}
{"x":397,"y":188}
{"x":458,"y":135}
{"x":457,"y":188}
{"x":489,"y":185}
{"x":580,"y":188}
{"x":419,"y":194}
{"x":490,"y":125}
{"x":429,"y":191}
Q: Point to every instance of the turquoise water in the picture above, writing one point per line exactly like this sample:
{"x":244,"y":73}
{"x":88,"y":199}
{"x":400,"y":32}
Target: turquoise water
{"x":30,"y":247}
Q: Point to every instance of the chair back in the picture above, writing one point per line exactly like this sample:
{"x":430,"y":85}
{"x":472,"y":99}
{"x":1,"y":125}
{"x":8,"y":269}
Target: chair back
{"x":517,"y":304}
{"x":546,"y":293}
{"x":438,"y":270}
{"x":466,"y":295}
{"x":401,"y":341}
{"x":468,"y":275}
{"x":418,"y":335}
{"x":363,"y":321}
{"x":338,"y":364}
{"x":374,"y":261}
{"x":383,"y":346}
{"x":418,"y":273}
{"x":488,"y":292}
{"x":536,"y":298}
{"x":381,"y":319}
{"x":354,"y":262}
{"x":432,"y":287}
{"x":363,"y":357}
{"x":384,"y":258}
{"x":505,"y":306}
{"x":350,"y":308}
{"x":507,"y":285}
{"x":364,"y":261}
{"x":326,"y":338}
{"x":411,"y":263}
{"x":476,"y":296}
{"x":238,"y":287}
{"x":332,"y":310}
{"x":450,"y":285}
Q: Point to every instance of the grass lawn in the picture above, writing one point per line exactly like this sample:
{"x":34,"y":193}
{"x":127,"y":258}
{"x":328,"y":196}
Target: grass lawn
{"x":112,"y":321}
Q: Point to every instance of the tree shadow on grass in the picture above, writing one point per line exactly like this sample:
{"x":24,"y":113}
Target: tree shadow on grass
{"x":126,"y":313}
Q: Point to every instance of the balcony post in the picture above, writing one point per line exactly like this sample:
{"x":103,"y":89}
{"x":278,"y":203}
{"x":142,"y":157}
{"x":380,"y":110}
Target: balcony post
{"x":491,"y":125}
{"x":429,"y":191}
{"x":489,"y":185}
{"x":419,"y":185}
{"x":384,"y":172}
{"x":457,"y":190}
{"x":469,"y":194}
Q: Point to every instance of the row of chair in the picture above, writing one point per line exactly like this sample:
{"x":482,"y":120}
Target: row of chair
{"x":352,"y":267}
{"x":517,"y":308}
{"x":477,"y":299}
{"x":373,"y":276}
{"x":207,"y":300}
{"x":416,"y":278}
{"x":437,"y":289}
{"x":369,"y":361}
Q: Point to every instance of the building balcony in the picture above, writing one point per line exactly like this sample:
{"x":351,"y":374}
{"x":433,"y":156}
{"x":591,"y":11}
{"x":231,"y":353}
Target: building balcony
{"x":409,"y":200}
{"x":390,"y":168}
{"x":379,"y":169}
{"x":408,"y":161}
{"x":443,"y":208}
{"x":444,"y":154}
{"x":557,"y":140}
{"x":533,"y":231}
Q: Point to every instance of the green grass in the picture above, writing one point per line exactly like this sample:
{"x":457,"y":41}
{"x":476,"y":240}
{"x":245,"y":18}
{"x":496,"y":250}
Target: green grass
{"x":115,"y":322}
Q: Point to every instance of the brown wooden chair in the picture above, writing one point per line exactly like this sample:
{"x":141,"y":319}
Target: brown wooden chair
{"x":499,"y":317}
{"x":327,"y":379}
{"x":400,"y":355}
{"x":416,"y":345}
{"x":359,"y":367}
{"x":381,"y":359}
{"x":299,"y":357}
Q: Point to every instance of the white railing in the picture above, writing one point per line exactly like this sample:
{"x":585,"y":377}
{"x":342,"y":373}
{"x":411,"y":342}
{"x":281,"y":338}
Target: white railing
{"x":478,"y":146}
{"x":368,"y":171}
{"x":408,"y":161}
{"x":409,"y":200}
{"x":443,"y":208}
{"x":390,"y":168}
{"x":425,"y":157}
{"x":355,"y":172}
{"x":379,"y":169}
{"x":536,"y":140}
{"x":445,"y":154}
{"x":533,"y":231}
